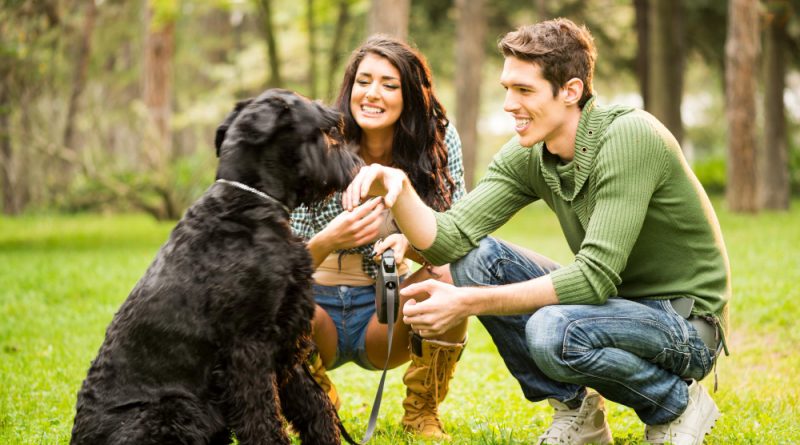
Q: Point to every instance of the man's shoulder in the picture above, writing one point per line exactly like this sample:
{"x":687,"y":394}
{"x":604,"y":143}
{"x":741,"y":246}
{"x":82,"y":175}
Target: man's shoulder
{"x":620,"y":116}
{"x":635,"y":137}
{"x":616,"y":115}
{"x":624,"y":123}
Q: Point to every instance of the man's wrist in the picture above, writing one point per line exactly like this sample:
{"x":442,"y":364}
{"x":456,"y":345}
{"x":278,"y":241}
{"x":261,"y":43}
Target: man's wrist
{"x":405,"y":186}
{"x":468,"y":301}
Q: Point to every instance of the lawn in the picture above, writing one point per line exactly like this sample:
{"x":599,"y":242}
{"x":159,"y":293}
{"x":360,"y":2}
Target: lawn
{"x":63,"y":277}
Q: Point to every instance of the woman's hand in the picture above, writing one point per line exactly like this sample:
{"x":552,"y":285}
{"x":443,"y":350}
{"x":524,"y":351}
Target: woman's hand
{"x":353,"y":228}
{"x":397,"y":242}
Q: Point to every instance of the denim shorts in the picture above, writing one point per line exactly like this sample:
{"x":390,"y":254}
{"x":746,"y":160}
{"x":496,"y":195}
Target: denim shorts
{"x":350,"y":308}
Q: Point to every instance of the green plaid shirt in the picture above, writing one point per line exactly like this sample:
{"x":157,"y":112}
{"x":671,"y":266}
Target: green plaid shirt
{"x":307,"y":222}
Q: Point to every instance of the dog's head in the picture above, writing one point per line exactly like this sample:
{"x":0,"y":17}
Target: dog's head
{"x":286,"y":145}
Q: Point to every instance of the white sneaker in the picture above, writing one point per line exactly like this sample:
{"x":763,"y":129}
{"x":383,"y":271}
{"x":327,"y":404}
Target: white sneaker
{"x":692,"y":426}
{"x":583,"y":425}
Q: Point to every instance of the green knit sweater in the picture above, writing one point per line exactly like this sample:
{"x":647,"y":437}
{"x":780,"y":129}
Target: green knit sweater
{"x":633,"y":213}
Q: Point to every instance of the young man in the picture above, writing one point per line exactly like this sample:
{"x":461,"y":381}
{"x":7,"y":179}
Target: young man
{"x":639,"y":315}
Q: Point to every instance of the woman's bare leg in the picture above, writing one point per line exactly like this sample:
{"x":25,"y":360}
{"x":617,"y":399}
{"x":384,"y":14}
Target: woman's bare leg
{"x":323,"y":330}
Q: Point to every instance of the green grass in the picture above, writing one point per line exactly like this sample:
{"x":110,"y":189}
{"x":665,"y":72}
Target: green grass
{"x":62,"y":278}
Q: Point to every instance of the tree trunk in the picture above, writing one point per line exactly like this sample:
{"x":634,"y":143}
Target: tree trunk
{"x":774,"y":184}
{"x":642,"y":49}
{"x":741,"y":53}
{"x":80,"y":74}
{"x":10,"y":202}
{"x":159,"y":48}
{"x":470,"y":30}
{"x":665,"y":63}
{"x":337,"y":47}
{"x":312,"y":49}
{"x":389,"y":17}
{"x":275,"y":80}
{"x":541,"y":10}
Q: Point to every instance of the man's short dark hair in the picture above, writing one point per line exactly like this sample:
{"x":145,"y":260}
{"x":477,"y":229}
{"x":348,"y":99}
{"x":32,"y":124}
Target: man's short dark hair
{"x":562,"y":49}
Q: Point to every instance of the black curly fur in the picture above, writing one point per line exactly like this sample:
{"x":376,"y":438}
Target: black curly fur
{"x":212,"y":339}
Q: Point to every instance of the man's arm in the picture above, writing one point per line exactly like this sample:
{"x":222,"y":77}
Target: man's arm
{"x":447,"y":236}
{"x":449,"y":305}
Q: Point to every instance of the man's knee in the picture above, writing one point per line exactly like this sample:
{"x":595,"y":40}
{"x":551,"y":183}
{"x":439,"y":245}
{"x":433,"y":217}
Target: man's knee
{"x":544,"y":334}
{"x":475,"y":267}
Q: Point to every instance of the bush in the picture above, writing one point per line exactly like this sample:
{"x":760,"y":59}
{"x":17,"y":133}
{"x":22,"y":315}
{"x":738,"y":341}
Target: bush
{"x":711,"y":172}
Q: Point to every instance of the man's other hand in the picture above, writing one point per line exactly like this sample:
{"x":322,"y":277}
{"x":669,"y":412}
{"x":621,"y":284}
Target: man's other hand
{"x":440,"y":312}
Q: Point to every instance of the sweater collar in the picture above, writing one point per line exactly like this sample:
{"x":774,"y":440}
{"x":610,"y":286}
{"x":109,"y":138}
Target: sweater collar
{"x":586,"y":144}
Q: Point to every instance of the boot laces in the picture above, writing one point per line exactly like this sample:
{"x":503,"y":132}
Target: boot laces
{"x":437,"y":374}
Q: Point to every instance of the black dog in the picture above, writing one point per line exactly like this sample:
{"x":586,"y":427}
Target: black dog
{"x":211,"y":341}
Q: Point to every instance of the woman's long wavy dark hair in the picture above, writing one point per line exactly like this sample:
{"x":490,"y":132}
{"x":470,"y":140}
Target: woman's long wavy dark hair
{"x":422,"y":123}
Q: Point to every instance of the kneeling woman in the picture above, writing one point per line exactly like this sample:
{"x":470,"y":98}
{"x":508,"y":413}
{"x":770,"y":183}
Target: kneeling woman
{"x":393,"y":117}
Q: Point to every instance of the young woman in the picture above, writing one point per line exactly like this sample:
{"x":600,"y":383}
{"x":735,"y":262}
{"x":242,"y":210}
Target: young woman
{"x":392,"y":115}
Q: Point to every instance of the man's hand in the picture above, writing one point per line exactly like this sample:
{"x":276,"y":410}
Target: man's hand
{"x":443,"y":309}
{"x":374,"y":180}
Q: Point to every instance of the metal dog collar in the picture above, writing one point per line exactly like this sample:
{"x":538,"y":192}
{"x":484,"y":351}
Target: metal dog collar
{"x":257,"y":192}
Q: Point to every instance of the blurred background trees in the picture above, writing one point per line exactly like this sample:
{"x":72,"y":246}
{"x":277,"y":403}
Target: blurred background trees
{"x":112,"y":104}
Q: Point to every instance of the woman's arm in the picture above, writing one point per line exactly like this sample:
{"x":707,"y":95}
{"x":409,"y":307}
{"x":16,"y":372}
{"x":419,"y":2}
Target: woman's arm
{"x":347,"y":230}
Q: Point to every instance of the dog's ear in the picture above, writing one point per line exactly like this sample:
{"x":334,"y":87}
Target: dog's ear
{"x":329,"y":118}
{"x":259,"y":122}
{"x":223,"y":127}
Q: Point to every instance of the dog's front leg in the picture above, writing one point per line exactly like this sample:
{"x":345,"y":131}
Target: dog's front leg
{"x":254,"y":414}
{"x":309,"y":409}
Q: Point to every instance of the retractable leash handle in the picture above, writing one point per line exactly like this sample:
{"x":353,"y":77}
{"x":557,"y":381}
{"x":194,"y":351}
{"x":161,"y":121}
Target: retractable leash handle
{"x":386,"y":287}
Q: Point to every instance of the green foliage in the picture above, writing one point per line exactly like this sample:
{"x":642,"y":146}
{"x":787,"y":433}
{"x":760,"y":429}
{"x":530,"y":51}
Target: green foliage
{"x":65,"y":276}
{"x":165,"y":12}
{"x":712,"y":173}
{"x":710,"y":165}
{"x":706,"y":25}
{"x":220,"y":57}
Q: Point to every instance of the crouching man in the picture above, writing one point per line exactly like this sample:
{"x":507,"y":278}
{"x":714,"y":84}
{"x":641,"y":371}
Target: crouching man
{"x":639,"y":315}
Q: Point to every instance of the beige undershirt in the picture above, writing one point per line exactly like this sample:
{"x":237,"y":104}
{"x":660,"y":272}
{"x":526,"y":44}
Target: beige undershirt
{"x":351,"y":273}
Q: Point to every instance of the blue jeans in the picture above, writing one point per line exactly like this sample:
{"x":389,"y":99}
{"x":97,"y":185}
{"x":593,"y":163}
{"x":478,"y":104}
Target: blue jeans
{"x":634,"y":352}
{"x":350,"y":308}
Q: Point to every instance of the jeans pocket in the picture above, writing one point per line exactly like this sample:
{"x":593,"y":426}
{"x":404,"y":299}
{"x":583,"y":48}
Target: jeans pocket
{"x":673,"y":360}
{"x":702,"y":360}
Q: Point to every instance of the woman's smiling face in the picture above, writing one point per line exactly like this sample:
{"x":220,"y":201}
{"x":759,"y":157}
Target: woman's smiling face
{"x":376,"y":100}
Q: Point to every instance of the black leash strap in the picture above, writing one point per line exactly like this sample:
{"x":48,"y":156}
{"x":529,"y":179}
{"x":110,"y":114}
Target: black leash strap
{"x":387,"y":302}
{"x":376,"y":405}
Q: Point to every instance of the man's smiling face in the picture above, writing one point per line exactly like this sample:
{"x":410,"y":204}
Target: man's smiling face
{"x":538,"y":114}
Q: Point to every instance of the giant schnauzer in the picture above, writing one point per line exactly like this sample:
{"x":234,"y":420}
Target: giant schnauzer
{"x":212,"y":340}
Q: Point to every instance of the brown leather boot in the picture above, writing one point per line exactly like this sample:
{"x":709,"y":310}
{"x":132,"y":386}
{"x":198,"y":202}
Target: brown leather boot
{"x":427,"y":380}
{"x":318,"y":372}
